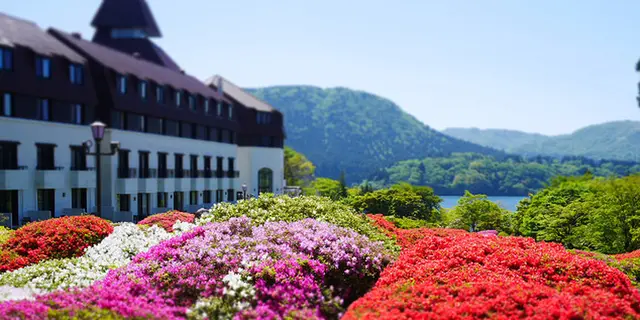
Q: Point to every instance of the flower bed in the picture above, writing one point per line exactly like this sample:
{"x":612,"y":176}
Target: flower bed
{"x":5,"y":234}
{"x":449,"y":275}
{"x":168,"y":219}
{"x":52,"y":239}
{"x":284,"y":208}
{"x":301,"y":269}
{"x":628,"y":255}
{"x":116,"y":250}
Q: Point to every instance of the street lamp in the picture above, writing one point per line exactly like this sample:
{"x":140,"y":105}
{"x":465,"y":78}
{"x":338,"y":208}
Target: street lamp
{"x":244,"y":191}
{"x":97,"y":130}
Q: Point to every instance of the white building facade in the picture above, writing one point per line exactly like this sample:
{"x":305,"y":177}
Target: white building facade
{"x":184,"y":144}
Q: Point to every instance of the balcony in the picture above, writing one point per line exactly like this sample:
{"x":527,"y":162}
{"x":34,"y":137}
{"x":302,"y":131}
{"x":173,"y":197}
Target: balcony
{"x":180,"y":173}
{"x":148,"y":173}
{"x":233,"y":174}
{"x":49,"y":177}
{"x":219,"y":173}
{"x":208,"y":173}
{"x":127,"y":173}
{"x":82,"y":177}
{"x":196,"y":174}
{"x":14,"y":178}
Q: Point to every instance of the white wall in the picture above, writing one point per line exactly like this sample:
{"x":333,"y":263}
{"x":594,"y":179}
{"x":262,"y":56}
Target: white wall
{"x":255,"y":158}
{"x":30,"y":132}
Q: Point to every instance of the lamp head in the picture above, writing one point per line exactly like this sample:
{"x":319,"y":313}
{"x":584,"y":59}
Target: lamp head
{"x":97,"y":129}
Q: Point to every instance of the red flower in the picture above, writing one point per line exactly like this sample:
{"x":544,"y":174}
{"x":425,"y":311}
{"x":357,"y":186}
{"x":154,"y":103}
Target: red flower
{"x":448,"y":274}
{"x":168,"y":219}
{"x":52,"y":239}
{"x":628,"y":255}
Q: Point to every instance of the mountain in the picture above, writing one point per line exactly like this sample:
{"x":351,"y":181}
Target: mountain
{"x":501,"y":139}
{"x":355,"y":131}
{"x":619,"y":140}
{"x":510,"y":176}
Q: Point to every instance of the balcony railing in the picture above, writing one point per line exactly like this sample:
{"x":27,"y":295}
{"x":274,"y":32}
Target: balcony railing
{"x":219,"y":174}
{"x":49,"y":168}
{"x":208,"y":173}
{"x":125,"y":173}
{"x":179,"y":173}
{"x":233,"y":174}
{"x":148,"y":173}
{"x":82,"y":168}
{"x":194,"y":173}
{"x":14,"y":168}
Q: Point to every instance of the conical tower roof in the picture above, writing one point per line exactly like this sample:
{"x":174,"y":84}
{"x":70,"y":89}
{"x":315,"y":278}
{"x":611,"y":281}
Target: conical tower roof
{"x":126,"y":14}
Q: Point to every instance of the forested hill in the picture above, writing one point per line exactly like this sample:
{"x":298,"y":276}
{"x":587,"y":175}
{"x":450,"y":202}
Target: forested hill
{"x":355,"y":131}
{"x":618,"y":140}
{"x":477,"y":173}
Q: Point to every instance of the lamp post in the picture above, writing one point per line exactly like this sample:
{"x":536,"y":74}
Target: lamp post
{"x":244,"y":191}
{"x":97,"y":130}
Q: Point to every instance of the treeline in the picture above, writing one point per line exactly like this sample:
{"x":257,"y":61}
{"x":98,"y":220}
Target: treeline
{"x":507,"y":176}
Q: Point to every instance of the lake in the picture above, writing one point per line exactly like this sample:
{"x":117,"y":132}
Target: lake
{"x":508,"y":203}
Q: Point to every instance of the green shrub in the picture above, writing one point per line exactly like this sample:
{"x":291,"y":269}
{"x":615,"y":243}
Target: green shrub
{"x":408,"y":223}
{"x":284,"y":208}
{"x":402,"y":200}
{"x":5,"y":234}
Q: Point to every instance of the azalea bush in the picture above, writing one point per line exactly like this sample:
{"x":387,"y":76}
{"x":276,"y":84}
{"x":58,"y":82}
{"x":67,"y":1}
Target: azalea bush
{"x":298,"y":269}
{"x":284,"y":208}
{"x":52,"y":239}
{"x":168,"y":219}
{"x":5,"y":234}
{"x":114,"y":251}
{"x":452,"y":275}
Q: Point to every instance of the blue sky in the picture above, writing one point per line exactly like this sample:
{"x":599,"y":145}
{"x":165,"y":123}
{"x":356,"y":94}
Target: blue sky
{"x":543,"y":66}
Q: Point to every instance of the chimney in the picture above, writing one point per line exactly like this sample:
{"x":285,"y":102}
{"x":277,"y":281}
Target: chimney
{"x":136,"y":55}
{"x":76,"y":35}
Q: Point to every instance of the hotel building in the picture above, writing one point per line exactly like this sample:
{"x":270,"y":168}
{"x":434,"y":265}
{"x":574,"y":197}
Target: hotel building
{"x":183,"y":143}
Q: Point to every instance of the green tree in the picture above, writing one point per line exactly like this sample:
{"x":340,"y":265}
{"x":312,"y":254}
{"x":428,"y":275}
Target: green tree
{"x":343,"y":193}
{"x":477,"y":212}
{"x":402,"y":200}
{"x":298,"y":170}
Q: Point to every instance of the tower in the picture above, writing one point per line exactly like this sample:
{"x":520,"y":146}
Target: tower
{"x":127,"y":26}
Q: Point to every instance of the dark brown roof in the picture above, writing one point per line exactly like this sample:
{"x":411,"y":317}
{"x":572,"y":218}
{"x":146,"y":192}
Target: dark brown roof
{"x":128,"y":64}
{"x":235,"y":92}
{"x":18,"y":32}
{"x":126,"y":14}
{"x":145,"y":47}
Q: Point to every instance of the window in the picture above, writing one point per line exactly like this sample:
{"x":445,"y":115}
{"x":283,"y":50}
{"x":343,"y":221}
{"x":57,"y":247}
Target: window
{"x":232,"y":136}
{"x":192,"y":102}
{"x":178,"y":166}
{"x":219,"y":161}
{"x":6,"y":59}
{"x":46,"y":200}
{"x":143,"y":90}
{"x":231,"y":163}
{"x":206,"y":196}
{"x":123,"y":163}
{"x":230,"y":195}
{"x":143,"y":165}
{"x":194,"y":166}
{"x":206,"y":106}
{"x":117,"y":119}
{"x":78,"y":158}
{"x":171,"y":128}
{"x":178,"y":98}
{"x":160,"y":94}
{"x":213,"y":134}
{"x":263,"y":117}
{"x":121,"y":84}
{"x":226,"y":136}
{"x":7,"y":105}
{"x":207,"y":167}
{"x":8,"y":155}
{"x":231,"y":115}
{"x":77,"y":114}
{"x":162,"y":199}
{"x":144,"y":205}
{"x":123,"y":202}
{"x":178,"y":200}
{"x":46,"y":156}
{"x":79,"y":198}
{"x":44,"y":110}
{"x":193,"y":197}
{"x":154,"y":125}
{"x":43,"y":67}
{"x":136,"y":122}
{"x":219,"y":194}
{"x":76,"y":75}
{"x":162,"y":165}
{"x":219,"y":109}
